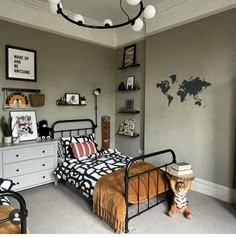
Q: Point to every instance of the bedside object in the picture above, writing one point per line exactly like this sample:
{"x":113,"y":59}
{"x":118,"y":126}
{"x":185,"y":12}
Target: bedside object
{"x":29,"y":164}
{"x":105,"y":132}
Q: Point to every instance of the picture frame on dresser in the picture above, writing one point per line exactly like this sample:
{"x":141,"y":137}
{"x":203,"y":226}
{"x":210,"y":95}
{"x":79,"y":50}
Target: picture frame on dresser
{"x":24,"y":125}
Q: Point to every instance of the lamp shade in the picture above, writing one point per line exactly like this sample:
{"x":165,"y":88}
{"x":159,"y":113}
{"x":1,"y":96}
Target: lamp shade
{"x":138,"y":25}
{"x":97,"y":91}
{"x":54,"y":1}
{"x":78,"y":17}
{"x":133,"y":2}
{"x":149,"y":12}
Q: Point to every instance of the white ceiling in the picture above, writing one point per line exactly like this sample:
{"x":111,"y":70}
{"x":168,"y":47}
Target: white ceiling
{"x":100,"y":10}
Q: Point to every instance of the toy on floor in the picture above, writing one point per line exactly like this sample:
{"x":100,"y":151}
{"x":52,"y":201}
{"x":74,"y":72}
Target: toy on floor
{"x":180,"y":184}
{"x":43,"y":130}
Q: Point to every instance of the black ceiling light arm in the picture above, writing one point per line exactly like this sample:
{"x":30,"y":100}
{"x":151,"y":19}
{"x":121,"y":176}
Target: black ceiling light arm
{"x":80,"y":23}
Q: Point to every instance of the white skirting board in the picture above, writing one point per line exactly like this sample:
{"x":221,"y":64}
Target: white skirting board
{"x":214,"y":190}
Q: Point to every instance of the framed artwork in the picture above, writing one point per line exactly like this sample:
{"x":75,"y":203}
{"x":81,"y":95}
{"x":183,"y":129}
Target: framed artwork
{"x":24,"y":125}
{"x":129,"y":105}
{"x":72,"y":98}
{"x":129,"y":55}
{"x":21,"y":64}
{"x":130,"y":82}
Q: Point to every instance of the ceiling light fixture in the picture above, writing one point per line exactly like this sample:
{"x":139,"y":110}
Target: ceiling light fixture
{"x":136,"y":22}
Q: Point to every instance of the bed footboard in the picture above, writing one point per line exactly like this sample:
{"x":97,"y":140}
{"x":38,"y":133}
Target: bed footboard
{"x":22,"y":214}
{"x":138,"y":175}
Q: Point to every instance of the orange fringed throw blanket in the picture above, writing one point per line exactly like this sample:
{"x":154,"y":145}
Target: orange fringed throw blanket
{"x":108,"y":197}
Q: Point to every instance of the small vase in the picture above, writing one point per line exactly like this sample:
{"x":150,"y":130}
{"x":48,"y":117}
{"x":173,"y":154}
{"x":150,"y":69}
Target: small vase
{"x":7,"y":139}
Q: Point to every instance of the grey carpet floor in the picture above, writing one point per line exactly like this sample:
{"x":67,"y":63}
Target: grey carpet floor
{"x":60,"y":210}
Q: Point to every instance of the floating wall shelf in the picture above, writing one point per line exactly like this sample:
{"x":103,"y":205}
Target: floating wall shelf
{"x":130,"y":66}
{"x":71,"y":105}
{"x":135,"y":135}
{"x":28,"y":90}
{"x":133,"y":112}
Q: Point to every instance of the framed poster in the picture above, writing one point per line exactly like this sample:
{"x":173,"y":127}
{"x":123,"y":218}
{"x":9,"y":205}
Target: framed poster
{"x":72,"y":98}
{"x":21,"y":64}
{"x":129,"y":55}
{"x":24,"y":125}
{"x":129,"y":105}
{"x":130,"y":83}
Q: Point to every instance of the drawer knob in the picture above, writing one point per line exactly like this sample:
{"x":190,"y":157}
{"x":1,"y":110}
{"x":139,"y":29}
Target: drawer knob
{"x":43,"y":151}
{"x":17,"y":170}
{"x":17,"y":155}
{"x":43,"y":176}
{"x":43,"y":165}
{"x":17,"y":183}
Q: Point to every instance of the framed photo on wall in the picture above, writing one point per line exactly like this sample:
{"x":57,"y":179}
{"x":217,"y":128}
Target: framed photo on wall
{"x":130,"y":82}
{"x":72,"y":98}
{"x":129,"y":105}
{"x":21,"y":64}
{"x":129,"y":55}
{"x":24,"y":125}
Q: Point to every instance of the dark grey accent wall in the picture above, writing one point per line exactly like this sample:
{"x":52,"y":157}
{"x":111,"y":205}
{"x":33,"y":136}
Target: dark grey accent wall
{"x":64,"y":65}
{"x":203,"y":136}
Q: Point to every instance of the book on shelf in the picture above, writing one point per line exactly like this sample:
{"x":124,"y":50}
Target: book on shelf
{"x":181,"y":166}
{"x":187,"y":172}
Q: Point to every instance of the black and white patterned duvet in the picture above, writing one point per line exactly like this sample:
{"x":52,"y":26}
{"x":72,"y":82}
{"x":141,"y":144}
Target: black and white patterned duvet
{"x":84,"y":173}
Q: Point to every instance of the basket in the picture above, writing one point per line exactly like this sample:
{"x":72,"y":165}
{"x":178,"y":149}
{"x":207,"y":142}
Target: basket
{"x":37,"y":100}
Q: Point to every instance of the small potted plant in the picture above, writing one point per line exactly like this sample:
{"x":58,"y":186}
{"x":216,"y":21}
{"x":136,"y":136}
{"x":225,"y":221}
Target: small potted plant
{"x":83,"y":100}
{"x":6,"y":129}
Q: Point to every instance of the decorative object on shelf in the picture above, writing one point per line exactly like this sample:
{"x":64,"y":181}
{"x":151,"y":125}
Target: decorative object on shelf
{"x":136,"y":22}
{"x":17,"y":100}
{"x":24,"y":125}
{"x":130,"y":82}
{"x":136,"y":86}
{"x":127,"y":128}
{"x":83,"y":100}
{"x":122,"y":86}
{"x":43,"y":130}
{"x":6,"y":130}
{"x":129,"y":105}
{"x":21,"y":64}
{"x":129,"y":56}
{"x":72,"y":98}
{"x":96,"y":92}
{"x":37,"y":99}
{"x":60,"y":101}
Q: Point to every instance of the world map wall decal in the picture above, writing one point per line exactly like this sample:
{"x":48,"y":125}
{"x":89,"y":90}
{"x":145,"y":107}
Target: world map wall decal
{"x":191,"y":87}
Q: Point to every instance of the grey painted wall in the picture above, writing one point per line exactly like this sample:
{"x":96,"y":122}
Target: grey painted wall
{"x":129,"y":145}
{"x":64,"y":65}
{"x":205,"y":137}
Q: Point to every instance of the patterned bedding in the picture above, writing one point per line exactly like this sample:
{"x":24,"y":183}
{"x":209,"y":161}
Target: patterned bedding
{"x":84,"y":173}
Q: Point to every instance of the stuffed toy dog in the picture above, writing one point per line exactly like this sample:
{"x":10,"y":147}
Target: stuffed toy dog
{"x":180,"y":203}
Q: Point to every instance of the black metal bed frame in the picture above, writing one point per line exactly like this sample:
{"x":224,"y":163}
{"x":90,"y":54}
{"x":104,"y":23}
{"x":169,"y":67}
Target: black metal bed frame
{"x":23,"y":213}
{"x":127,"y":176}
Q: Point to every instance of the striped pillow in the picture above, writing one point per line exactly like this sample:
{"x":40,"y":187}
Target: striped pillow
{"x":82,"y":149}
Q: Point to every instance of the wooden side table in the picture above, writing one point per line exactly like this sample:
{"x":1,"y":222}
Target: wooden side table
{"x":105,"y":132}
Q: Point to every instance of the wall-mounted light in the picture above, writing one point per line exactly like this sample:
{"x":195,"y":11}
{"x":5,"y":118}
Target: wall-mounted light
{"x":96,"y":92}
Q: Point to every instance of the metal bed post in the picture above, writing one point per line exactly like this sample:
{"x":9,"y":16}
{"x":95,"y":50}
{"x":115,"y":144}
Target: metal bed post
{"x":23,"y":211}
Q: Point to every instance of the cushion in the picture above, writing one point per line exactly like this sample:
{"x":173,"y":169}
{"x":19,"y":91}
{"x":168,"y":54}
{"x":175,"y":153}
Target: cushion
{"x":66,"y":150}
{"x":82,"y":149}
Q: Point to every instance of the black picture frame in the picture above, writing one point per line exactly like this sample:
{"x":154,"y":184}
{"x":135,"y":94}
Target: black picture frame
{"x":21,"y":64}
{"x":129,"y":105}
{"x":129,"y":56}
{"x":72,"y":98}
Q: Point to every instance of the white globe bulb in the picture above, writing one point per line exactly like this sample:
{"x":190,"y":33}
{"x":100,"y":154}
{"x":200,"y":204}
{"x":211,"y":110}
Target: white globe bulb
{"x":54,"y":1}
{"x":138,"y":25}
{"x":78,"y":17}
{"x":108,"y":22}
{"x":133,"y":2}
{"x":149,"y":12}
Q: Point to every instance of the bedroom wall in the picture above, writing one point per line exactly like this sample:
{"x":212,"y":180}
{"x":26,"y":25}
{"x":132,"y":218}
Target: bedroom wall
{"x":64,"y":65}
{"x":202,"y":135}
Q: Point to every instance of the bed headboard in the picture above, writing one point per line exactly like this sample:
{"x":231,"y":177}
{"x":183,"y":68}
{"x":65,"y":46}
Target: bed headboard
{"x":72,"y":127}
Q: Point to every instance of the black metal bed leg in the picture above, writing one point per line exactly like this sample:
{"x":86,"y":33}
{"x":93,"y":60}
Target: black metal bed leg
{"x":126,"y":225}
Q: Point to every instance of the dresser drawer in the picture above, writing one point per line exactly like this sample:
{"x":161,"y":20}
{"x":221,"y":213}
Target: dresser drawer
{"x":0,"y":172}
{"x":32,"y":180}
{"x":27,"y":167}
{"x":33,"y":152}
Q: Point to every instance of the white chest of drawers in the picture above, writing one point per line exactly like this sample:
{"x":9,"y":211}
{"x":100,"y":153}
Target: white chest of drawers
{"x":29,"y":164}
